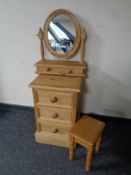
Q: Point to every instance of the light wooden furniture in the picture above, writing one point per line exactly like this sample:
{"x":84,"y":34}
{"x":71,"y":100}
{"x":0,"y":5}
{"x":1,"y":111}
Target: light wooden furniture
{"x":88,"y":133}
{"x":57,"y":87}
{"x":55,"y":100}
{"x":69,"y":68}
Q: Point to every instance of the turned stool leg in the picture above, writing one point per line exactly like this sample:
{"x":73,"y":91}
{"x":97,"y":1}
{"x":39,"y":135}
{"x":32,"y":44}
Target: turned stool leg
{"x":97,"y":147}
{"x":89,"y":158}
{"x":71,"y":148}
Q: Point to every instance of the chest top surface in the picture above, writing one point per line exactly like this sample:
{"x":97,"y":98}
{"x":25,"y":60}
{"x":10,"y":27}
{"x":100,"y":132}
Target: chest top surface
{"x":66,"y":83}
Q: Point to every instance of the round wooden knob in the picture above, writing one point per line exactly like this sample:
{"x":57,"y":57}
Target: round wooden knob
{"x":55,"y":131}
{"x":48,"y":69}
{"x":70,"y":72}
{"x":54,"y":100}
{"x":55,"y":115}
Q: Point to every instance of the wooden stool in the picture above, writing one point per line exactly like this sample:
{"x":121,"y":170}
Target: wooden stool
{"x":88,"y":133}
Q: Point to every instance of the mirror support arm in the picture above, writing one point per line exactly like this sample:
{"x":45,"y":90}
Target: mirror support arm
{"x":40,"y":36}
{"x":82,"y":47}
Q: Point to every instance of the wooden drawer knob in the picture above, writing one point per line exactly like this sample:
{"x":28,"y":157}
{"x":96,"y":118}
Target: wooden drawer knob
{"x":54,"y":100}
{"x":55,"y":131}
{"x":55,"y":115}
{"x":48,"y":69}
{"x":70,"y":72}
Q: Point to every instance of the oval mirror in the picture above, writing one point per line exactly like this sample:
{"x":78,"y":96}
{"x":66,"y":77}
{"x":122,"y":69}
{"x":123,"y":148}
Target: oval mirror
{"x":62,"y":33}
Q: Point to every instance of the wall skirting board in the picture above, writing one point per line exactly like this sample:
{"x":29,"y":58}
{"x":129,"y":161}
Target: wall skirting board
{"x":15,"y":107}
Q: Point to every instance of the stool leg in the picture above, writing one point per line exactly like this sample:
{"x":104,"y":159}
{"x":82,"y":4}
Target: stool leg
{"x":98,"y":143}
{"x":89,"y":158}
{"x":71,"y":148}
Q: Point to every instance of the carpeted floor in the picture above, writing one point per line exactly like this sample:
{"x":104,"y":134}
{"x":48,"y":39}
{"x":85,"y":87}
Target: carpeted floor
{"x":20,"y":155}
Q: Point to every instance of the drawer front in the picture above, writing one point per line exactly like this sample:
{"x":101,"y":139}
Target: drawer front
{"x":56,"y":99}
{"x":53,"y":113}
{"x":53,"y":139}
{"x":59,"y":70}
{"x":55,"y":128}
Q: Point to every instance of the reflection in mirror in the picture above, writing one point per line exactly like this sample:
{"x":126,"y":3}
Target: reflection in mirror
{"x":61,"y":34}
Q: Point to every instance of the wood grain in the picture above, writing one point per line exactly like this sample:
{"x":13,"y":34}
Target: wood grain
{"x":52,"y":139}
{"x":41,"y":35}
{"x":49,"y":82}
{"x":82,"y":47}
{"x":87,"y":132}
{"x":61,"y":114}
{"x":67,"y":68}
{"x":83,"y":129}
{"x":56,"y":102}
{"x":57,"y":87}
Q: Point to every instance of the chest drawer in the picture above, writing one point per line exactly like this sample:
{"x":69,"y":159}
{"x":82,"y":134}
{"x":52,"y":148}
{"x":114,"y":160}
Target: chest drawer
{"x":56,"y":99}
{"x":53,"y":139}
{"x":55,"y":128}
{"x":59,"y":70}
{"x":56,"y":114}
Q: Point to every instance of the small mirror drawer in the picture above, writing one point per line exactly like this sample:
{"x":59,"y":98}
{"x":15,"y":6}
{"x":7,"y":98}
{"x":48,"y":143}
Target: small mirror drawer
{"x":60,"y":71}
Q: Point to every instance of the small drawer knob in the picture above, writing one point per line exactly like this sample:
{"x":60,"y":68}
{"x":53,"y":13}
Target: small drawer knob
{"x":48,"y":69}
{"x":70,"y":72}
{"x":55,"y":115}
{"x":55,"y":131}
{"x":54,"y":100}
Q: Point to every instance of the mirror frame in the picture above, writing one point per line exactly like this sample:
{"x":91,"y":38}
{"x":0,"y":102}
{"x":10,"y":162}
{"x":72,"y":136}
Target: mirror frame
{"x":76,"y":23}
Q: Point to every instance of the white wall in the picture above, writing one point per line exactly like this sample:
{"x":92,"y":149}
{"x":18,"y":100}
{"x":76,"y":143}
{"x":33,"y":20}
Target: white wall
{"x":108,"y":51}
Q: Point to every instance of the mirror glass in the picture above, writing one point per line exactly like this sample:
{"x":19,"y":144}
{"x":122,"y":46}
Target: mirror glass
{"x":61,"y":34}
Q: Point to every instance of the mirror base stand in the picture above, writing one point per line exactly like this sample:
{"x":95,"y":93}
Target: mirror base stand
{"x":82,"y":46}
{"x":41,"y":36}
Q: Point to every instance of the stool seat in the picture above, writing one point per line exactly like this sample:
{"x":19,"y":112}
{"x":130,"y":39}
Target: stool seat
{"x":88,"y":133}
{"x":87,"y":129}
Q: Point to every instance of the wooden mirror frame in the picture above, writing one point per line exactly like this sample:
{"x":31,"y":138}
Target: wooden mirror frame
{"x":77,"y":29}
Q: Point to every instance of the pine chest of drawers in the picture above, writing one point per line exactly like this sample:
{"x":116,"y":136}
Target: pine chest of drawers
{"x":56,"y":107}
{"x":57,"y":87}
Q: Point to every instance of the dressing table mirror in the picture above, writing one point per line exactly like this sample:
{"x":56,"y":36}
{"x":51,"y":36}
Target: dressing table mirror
{"x":62,"y":34}
{"x":57,"y":87}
